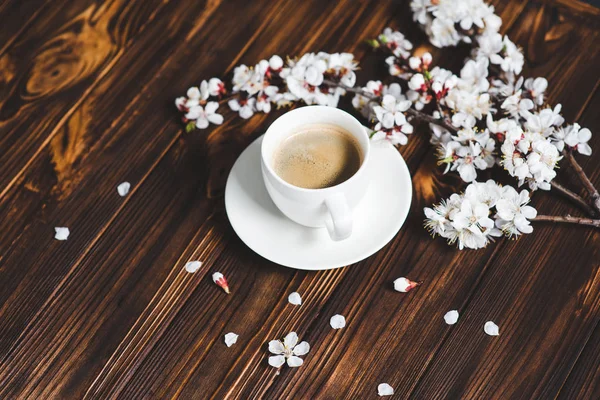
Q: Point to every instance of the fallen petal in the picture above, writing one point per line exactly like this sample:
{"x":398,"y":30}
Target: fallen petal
{"x":385,"y":390}
{"x":276,"y":361}
{"x":230,"y":339}
{"x":220,"y":280}
{"x":61,"y":233}
{"x":405,"y":285}
{"x":451,"y":317}
{"x":295,"y":299}
{"x":193,"y":266}
{"x":337,"y":321}
{"x":123,"y":188}
{"x":491,"y":328}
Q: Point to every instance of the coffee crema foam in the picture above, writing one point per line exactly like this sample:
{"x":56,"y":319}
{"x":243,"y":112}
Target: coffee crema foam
{"x":318,"y":156}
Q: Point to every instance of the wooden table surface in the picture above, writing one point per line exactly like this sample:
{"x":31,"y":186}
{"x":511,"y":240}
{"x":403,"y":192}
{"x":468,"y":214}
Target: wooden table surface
{"x":86,"y":102}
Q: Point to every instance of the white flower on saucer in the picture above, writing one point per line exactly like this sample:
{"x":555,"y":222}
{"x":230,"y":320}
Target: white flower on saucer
{"x":288,"y":351}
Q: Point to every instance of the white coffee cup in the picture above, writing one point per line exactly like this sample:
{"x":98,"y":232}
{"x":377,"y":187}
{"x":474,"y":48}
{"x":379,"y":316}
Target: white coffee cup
{"x":330,"y":207}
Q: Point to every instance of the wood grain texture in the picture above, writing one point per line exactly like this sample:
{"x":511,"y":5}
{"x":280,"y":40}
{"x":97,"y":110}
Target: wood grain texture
{"x":111,"y":313}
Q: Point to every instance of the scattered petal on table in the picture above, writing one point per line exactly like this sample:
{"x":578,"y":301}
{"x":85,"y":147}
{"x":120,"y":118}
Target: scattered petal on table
{"x":405,"y":285}
{"x":230,"y":339}
{"x":491,"y":328}
{"x":451,"y":317}
{"x":193,"y":266}
{"x":385,"y":390}
{"x":295,"y":299}
{"x":220,"y":280}
{"x":61,"y":233}
{"x":337,"y":321}
{"x":123,"y":189}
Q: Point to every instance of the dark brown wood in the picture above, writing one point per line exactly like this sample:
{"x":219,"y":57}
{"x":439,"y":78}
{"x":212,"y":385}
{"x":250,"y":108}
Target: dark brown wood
{"x":111,"y":313}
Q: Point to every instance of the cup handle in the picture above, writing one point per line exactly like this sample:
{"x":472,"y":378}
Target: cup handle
{"x":339,"y":225}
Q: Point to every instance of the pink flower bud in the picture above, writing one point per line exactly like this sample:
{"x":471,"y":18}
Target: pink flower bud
{"x":220,"y":280}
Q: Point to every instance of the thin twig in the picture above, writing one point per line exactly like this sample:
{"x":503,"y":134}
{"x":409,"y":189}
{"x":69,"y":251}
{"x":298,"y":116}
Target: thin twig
{"x":411,"y":111}
{"x":575,"y":198}
{"x":428,"y":118}
{"x":567,"y":219}
{"x":584,"y":179}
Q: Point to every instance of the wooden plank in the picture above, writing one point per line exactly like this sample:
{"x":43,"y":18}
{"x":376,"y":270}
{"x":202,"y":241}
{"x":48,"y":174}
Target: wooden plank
{"x":584,"y":380}
{"x":185,"y":153}
{"x":55,"y":65}
{"x":16,"y":15}
{"x":95,"y":141}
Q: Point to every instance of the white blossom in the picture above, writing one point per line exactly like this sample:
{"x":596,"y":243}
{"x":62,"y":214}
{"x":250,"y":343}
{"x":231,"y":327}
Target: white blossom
{"x":536,"y":88}
{"x":205,"y":115}
{"x":514,"y":213}
{"x":577,"y":139}
{"x":289,"y":351}
{"x":466,"y":219}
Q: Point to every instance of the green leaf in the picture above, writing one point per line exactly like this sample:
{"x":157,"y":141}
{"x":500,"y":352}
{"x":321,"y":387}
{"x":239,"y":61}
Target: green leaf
{"x":373,"y":43}
{"x":190,"y":126}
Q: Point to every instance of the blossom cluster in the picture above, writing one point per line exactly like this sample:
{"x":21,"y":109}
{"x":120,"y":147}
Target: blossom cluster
{"x":484,"y":211}
{"x":314,"y":78}
{"x":526,"y":136}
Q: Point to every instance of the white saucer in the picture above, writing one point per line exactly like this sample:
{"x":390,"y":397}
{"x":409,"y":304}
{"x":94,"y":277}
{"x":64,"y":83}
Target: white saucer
{"x":260,"y":224}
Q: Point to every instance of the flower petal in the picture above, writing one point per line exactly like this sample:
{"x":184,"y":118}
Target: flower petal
{"x":290,"y":340}
{"x":230,"y":339}
{"x":123,"y":188}
{"x":295,"y":299}
{"x":294,"y":361}
{"x":384,"y":389}
{"x":193,"y":266}
{"x":211,"y":107}
{"x":451,"y":317}
{"x":337,"y":321}
{"x":276,"y":361}
{"x":61,"y":233}
{"x":301,"y":349}
{"x":276,"y":347}
{"x":491,"y":328}
{"x":216,"y":119}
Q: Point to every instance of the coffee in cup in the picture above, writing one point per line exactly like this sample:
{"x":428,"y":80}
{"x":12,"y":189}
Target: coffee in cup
{"x":317,"y":156}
